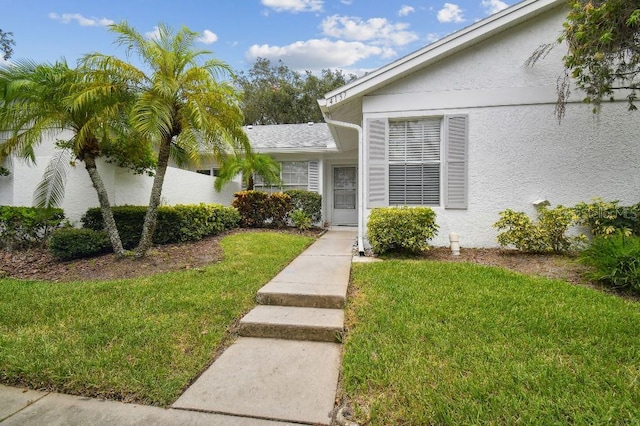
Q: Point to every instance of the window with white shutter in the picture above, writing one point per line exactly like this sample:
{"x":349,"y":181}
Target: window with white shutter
{"x":294,"y":175}
{"x":414,"y":162}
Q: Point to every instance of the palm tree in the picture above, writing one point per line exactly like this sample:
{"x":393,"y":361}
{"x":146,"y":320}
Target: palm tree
{"x":181,"y":103}
{"x":40,"y":100}
{"x":249,"y":165}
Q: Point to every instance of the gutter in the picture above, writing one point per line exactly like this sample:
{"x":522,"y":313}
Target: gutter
{"x":360,"y":178}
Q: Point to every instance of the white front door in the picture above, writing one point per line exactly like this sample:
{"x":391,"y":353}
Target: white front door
{"x":345,"y":195}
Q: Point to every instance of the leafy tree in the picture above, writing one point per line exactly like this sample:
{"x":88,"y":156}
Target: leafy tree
{"x":275,"y":94}
{"x":603,"y":40}
{"x":6,"y":43}
{"x":38,"y":99}
{"x":249,"y":165}
{"x":181,"y":105}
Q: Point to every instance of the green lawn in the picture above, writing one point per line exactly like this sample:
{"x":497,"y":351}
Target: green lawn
{"x":450,"y":343}
{"x":141,"y":340}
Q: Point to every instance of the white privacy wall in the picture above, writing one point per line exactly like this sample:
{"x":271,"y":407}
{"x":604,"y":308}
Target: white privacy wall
{"x":180,"y":186}
{"x":518,"y":151}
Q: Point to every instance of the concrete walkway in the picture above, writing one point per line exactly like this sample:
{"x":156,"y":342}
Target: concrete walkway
{"x":283,"y":370}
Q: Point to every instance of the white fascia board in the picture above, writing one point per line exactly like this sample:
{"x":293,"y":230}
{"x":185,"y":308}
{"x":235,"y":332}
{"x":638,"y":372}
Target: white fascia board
{"x":435,"y":51}
{"x":295,"y":150}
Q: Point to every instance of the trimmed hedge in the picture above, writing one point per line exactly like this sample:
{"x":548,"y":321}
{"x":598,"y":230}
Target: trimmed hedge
{"x":175,"y":223}
{"x":308,"y":202}
{"x":73,"y":243}
{"x":258,"y":209}
{"x":22,"y":227}
{"x":403,"y":229}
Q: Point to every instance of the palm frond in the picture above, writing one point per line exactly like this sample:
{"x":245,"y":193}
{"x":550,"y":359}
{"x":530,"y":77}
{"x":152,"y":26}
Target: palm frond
{"x":50,"y":191}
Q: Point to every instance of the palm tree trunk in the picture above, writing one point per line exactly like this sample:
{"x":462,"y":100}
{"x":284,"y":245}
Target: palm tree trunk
{"x":105,"y":206}
{"x":151,"y":218}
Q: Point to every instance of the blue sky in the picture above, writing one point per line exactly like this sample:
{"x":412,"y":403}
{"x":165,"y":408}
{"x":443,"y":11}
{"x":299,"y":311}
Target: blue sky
{"x":351,"y":35}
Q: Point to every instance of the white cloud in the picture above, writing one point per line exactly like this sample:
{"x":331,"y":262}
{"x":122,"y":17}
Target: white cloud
{"x":317,"y":54}
{"x":153,"y":35}
{"x":347,"y":2}
{"x":375,"y":30}
{"x":294,"y":6}
{"x":493,"y":6}
{"x":83,"y":21}
{"x":208,"y":37}
{"x":405,"y":10}
{"x":450,"y":13}
{"x":431,"y":37}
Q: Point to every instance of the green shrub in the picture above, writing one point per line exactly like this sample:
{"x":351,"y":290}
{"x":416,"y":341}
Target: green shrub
{"x":73,"y":243}
{"x":615,"y":260}
{"x":174,"y":224}
{"x":129,"y":220}
{"x":258,"y":209}
{"x":401,"y":229}
{"x":604,"y":218}
{"x":252,"y":206}
{"x":27,"y":226}
{"x":301,"y":220}
{"x":279,"y":207}
{"x":548,"y":234}
{"x":307,"y":201}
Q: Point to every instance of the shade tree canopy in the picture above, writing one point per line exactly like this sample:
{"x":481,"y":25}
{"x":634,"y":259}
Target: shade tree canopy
{"x":275,"y":94}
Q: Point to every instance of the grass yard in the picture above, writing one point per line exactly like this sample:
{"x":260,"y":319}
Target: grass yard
{"x":455,"y":343}
{"x":141,"y":340}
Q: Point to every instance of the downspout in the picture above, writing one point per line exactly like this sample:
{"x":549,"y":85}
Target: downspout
{"x":360,"y":178}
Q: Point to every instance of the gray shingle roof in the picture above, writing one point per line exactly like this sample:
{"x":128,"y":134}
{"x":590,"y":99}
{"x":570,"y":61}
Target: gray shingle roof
{"x":290,"y":136}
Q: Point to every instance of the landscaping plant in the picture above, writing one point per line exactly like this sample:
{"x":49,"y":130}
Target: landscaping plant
{"x":403,"y":229}
{"x":615,"y":260}
{"x":606,"y":218}
{"x":547,"y":234}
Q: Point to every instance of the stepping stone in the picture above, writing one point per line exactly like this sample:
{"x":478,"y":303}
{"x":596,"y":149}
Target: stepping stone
{"x":286,"y":322}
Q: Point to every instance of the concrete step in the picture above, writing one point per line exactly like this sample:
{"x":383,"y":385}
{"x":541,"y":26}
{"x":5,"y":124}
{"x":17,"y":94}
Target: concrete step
{"x":310,"y":281}
{"x":293,"y":323}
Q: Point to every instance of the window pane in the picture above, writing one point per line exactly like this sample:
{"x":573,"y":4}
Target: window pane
{"x":414,"y":162}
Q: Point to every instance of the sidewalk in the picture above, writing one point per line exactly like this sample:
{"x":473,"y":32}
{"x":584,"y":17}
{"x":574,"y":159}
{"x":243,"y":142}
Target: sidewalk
{"x":283,"y":370}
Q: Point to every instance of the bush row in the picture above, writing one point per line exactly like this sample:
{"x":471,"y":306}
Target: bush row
{"x":22,"y":227}
{"x":175,"y":224}
{"x":259,"y":209}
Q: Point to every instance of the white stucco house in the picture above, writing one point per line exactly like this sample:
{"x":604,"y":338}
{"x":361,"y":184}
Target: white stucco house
{"x":465,"y":127}
{"x":461,"y":125}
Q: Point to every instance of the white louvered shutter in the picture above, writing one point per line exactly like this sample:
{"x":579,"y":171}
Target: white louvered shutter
{"x":376,"y":163}
{"x":314,"y":176}
{"x":456,"y":185}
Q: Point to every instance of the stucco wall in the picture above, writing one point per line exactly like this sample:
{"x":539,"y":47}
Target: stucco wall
{"x":518,"y":152}
{"x":123,"y":187}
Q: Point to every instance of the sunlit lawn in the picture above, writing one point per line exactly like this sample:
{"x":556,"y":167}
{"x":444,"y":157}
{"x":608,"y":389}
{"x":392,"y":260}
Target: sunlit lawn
{"x":451,"y":343}
{"x":140,"y":340}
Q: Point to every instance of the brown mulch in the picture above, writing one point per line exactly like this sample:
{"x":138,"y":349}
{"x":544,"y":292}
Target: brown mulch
{"x":38,"y":264}
{"x":562,"y":267}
